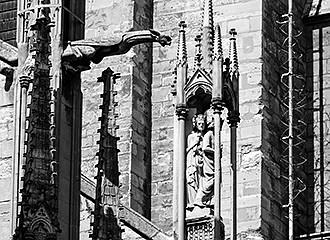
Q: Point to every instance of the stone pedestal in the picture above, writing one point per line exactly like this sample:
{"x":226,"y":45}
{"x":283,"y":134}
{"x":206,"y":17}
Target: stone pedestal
{"x":202,"y":228}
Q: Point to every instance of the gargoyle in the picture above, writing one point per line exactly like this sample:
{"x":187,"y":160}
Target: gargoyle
{"x":9,"y":74}
{"x":8,"y":62}
{"x":79,"y":54}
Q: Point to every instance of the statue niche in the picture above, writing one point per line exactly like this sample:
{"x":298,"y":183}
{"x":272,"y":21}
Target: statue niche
{"x":200,"y":152}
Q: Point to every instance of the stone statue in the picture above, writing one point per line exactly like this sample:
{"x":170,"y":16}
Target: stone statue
{"x":80,"y":53}
{"x":206,"y":190}
{"x":194,"y":158}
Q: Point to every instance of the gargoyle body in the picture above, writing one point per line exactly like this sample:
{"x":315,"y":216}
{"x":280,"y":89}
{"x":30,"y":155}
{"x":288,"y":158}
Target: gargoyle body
{"x":8,"y":62}
{"x":80,"y":53}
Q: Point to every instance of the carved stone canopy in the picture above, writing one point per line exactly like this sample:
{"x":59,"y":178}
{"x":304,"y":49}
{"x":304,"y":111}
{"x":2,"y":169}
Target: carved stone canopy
{"x":198,"y":90}
{"x":80,"y":53}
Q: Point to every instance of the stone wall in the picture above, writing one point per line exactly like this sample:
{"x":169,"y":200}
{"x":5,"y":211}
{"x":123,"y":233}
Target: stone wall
{"x":274,"y":186}
{"x":103,"y":20}
{"x":7,"y":33}
{"x":146,"y":150}
{"x":8,"y":21}
{"x":245,"y":16}
{"x":6,"y":152}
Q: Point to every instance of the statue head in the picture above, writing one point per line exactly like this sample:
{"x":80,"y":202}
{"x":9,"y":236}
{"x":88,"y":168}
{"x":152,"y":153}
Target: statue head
{"x":198,"y":122}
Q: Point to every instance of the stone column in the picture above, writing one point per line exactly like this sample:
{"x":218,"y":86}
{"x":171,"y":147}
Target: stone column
{"x":181,"y":113}
{"x":217,"y":106}
{"x":69,"y":26}
{"x":175,"y":178}
{"x":22,"y":43}
{"x":233,"y":119}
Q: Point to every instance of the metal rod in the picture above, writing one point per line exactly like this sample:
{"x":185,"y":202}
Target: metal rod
{"x":217,"y":172}
{"x":291,"y":163}
{"x":321,"y":109}
{"x":233,"y":158}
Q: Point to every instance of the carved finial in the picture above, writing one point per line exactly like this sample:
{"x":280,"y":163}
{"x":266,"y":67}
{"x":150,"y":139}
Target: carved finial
{"x":182,"y":49}
{"x":233,"y":50}
{"x":208,"y":34}
{"x":234,"y":75}
{"x":198,"y":53}
{"x":218,"y":42}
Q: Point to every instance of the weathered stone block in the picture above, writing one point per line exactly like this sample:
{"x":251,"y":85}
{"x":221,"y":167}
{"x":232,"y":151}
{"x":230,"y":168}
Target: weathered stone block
{"x":6,"y":149}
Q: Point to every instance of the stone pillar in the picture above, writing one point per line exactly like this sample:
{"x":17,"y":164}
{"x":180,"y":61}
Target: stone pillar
{"x":181,"y":112}
{"x":19,"y":129}
{"x":69,"y":19}
{"x":175,"y":177}
{"x":180,"y":154}
{"x":217,"y":169}
{"x":217,"y":105}
{"x":233,"y":119}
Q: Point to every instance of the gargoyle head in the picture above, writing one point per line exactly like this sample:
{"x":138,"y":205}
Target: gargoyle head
{"x":164,"y":40}
{"x":9,"y":73}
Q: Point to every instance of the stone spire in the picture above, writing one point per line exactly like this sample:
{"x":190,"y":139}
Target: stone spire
{"x":217,"y":90}
{"x":182,"y":65}
{"x":38,"y":217}
{"x":182,"y":48}
{"x":208,"y":34}
{"x":218,"y":52}
{"x":233,"y":51}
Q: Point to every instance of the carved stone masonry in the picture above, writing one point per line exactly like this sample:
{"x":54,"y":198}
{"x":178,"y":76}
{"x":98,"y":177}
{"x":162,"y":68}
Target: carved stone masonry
{"x":79,"y":54}
{"x":76,"y":58}
{"x":106,"y":223}
{"x":38,"y":216}
{"x":210,"y":88}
